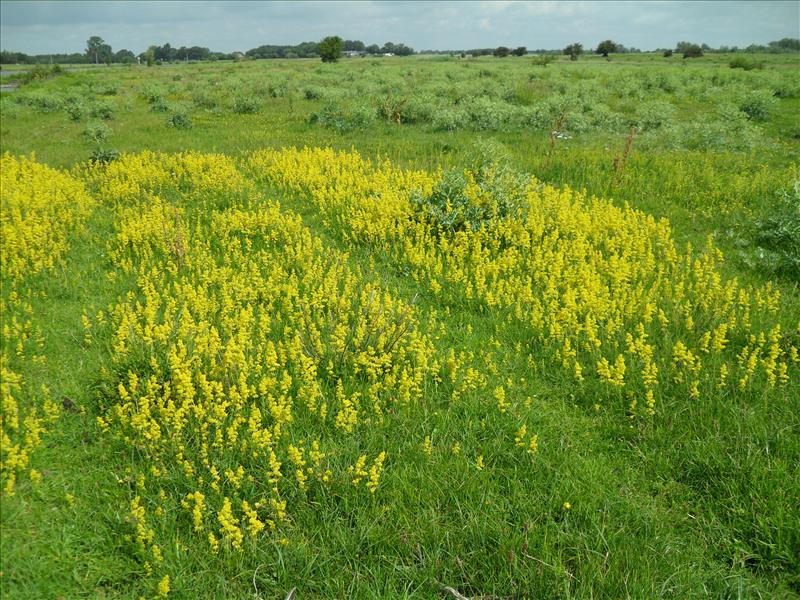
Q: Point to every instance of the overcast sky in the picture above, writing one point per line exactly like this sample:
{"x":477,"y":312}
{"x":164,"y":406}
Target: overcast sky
{"x":39,"y":27}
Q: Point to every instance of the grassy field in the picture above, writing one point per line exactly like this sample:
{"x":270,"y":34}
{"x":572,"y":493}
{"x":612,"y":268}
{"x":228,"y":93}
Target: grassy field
{"x":383,"y":327}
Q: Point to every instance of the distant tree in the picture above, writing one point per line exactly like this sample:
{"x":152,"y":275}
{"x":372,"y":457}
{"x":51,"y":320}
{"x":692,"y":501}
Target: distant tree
{"x":667,"y":53}
{"x":520,"y":51}
{"x":124,"y":56}
{"x":330,"y":48}
{"x":149,"y":56}
{"x":165,"y":53}
{"x":501,"y":52}
{"x":403,"y":50}
{"x":373,"y":49}
{"x":786,"y":45}
{"x":574,"y":50}
{"x":606,"y":47}
{"x":97,"y":49}
{"x":683,"y":47}
{"x":692,"y":51}
{"x":353,"y":46}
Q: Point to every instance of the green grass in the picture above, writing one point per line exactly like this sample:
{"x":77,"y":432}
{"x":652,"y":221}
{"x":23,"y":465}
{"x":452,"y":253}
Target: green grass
{"x":698,"y":502}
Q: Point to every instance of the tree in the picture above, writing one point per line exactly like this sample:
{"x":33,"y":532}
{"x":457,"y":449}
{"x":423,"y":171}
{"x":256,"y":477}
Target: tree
{"x":124,"y":56}
{"x":330,"y":48}
{"x":373,"y":49}
{"x":149,"y":56}
{"x":607,"y":47}
{"x":667,"y":53}
{"x":501,"y":52}
{"x":403,"y":50}
{"x":353,"y":46}
{"x":692,"y":51}
{"x":785,"y":45}
{"x":96,"y":47}
{"x":574,"y":50}
{"x":520,"y":51}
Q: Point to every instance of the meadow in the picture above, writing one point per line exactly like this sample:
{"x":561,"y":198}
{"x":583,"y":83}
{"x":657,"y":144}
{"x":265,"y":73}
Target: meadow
{"x":402,"y":327}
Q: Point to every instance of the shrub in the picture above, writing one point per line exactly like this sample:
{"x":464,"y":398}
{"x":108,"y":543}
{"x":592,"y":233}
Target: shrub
{"x":543,"y":60}
{"x":655,"y":114}
{"x":344,"y":118}
{"x":101,"y":156}
{"x":313,"y":93}
{"x":245,"y":105}
{"x":38,"y":72}
{"x":449,"y":119}
{"x":41,"y":101}
{"x":741,"y":62}
{"x":421,"y":108}
{"x":179,"y":120}
{"x":757,"y":105}
{"x":488,"y":114}
{"x":204,"y":99}
{"x":152,"y":93}
{"x":277,"y":90}
{"x":76,"y":110}
{"x":159,"y":104}
{"x":102,"y":109}
{"x":104,"y":89}
{"x":96,"y":132}
{"x":472,"y":198}
{"x":777,"y":237}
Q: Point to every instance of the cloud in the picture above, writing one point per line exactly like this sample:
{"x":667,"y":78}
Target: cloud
{"x":47,"y":26}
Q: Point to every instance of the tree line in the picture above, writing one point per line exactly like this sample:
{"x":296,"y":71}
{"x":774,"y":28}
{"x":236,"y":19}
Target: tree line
{"x":99,"y":52}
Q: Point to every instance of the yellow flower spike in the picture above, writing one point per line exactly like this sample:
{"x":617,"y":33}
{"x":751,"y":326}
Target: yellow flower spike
{"x":162,"y":590}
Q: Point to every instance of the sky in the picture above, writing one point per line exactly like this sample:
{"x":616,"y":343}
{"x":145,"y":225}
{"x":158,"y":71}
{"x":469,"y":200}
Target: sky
{"x":41,"y":27}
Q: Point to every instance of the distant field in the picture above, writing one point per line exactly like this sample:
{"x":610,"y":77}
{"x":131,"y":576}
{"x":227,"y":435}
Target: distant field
{"x":380,"y":327}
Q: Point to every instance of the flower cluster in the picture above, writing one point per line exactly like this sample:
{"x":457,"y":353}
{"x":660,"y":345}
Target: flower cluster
{"x":40,"y":208}
{"x":247,"y":358}
{"x":599,"y":291}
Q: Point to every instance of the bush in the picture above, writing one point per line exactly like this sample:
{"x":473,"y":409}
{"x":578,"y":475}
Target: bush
{"x":104,"y":89}
{"x":102,"y":109}
{"x":777,"y":237}
{"x":96,"y":132}
{"x":278,"y":90}
{"x":204,"y":99}
{"x":741,"y":62}
{"x":449,"y":119}
{"x":152,"y":93}
{"x":38,"y":72}
{"x":473,"y":198}
{"x":344,"y":118}
{"x":543,"y":60}
{"x":421,"y":108}
{"x":179,"y":120}
{"x":313,"y":93}
{"x":41,"y":101}
{"x":245,"y":105}
{"x":692,"y":51}
{"x":757,"y":105}
{"x":103,"y":157}
{"x":487,"y":114}
{"x":653,"y":115}
{"x":76,"y":110}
